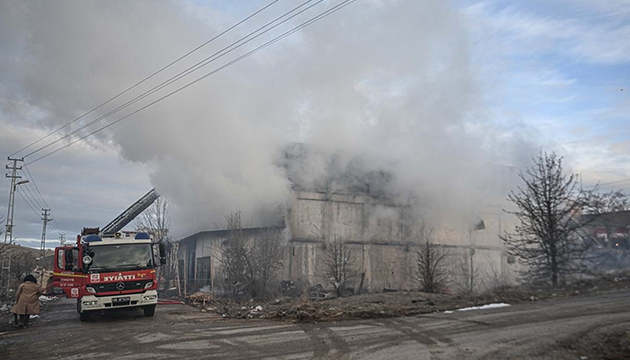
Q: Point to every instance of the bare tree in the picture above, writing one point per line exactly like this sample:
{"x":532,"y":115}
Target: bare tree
{"x":547,"y":237}
{"x":233,"y":257}
{"x":497,"y":280}
{"x":249,"y":263}
{"x":23,"y":262}
{"x":263,"y":256}
{"x":3,"y":246}
{"x":340,"y":268}
{"x":466,"y":273}
{"x":155,"y":220}
{"x":431,"y":271}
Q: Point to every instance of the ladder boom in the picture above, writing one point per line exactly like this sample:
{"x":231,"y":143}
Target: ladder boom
{"x":131,"y":213}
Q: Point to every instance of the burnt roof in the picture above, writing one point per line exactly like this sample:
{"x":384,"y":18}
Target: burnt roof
{"x":617,"y":218}
{"x":225,"y":232}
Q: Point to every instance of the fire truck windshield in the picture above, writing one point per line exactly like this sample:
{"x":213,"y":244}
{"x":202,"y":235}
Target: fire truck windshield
{"x":121,"y":257}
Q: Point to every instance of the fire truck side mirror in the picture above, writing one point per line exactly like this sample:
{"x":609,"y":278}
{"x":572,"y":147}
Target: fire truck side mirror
{"x":162,"y":250}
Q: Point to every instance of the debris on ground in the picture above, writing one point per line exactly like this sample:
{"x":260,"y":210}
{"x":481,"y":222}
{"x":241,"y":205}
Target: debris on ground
{"x":317,"y":292}
{"x":332,"y":309}
{"x":319,"y":304}
{"x":201,"y":298}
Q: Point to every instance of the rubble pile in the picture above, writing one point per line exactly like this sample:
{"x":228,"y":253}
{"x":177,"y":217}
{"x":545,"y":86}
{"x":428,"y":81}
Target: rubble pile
{"x":201,"y":298}
{"x":319,"y":305}
{"x":367,"y":306}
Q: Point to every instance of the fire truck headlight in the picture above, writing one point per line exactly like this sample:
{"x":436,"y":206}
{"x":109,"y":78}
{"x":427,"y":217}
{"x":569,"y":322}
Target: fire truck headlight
{"x":90,"y":289}
{"x":148,"y":285}
{"x":149,"y":297}
{"x":90,"y":303}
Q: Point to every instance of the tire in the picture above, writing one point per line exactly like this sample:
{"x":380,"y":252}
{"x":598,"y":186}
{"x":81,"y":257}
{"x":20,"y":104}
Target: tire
{"x":149,"y":310}
{"x":85,"y":316}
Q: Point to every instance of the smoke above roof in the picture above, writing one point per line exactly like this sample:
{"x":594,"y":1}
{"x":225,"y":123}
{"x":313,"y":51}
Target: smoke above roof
{"x":381,"y":97}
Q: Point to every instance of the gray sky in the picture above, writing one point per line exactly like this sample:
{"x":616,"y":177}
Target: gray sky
{"x":432,"y":91}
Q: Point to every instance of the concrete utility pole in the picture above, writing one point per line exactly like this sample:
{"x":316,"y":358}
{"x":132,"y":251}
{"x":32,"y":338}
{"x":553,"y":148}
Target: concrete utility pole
{"x":62,"y":239}
{"x":42,"y":249}
{"x":8,"y":232}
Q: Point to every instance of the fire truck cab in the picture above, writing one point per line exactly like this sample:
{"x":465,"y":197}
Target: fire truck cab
{"x":107,"y":272}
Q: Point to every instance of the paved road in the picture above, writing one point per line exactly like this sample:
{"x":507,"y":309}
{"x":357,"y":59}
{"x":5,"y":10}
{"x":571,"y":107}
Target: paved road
{"x":525,"y":331}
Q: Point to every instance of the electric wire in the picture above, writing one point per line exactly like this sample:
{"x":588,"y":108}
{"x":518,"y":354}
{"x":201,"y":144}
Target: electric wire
{"x":32,"y":204}
{"x":215,"y":56}
{"x":56,"y":225}
{"x":32,"y":180}
{"x":615,"y":182}
{"x":35,"y":202}
{"x":609,"y":184}
{"x":30,"y":176}
{"x":255,"y":50}
{"x":19,"y":191}
{"x":148,"y":77}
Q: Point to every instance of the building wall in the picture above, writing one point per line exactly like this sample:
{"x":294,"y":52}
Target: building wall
{"x":374,"y":232}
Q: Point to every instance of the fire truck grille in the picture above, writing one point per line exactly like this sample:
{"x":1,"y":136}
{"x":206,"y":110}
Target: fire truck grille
{"x":129,"y":285}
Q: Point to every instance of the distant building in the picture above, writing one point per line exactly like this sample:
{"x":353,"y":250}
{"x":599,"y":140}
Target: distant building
{"x":609,"y":230}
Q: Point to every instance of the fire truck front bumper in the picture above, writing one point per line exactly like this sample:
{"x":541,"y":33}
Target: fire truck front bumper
{"x":91,"y":302}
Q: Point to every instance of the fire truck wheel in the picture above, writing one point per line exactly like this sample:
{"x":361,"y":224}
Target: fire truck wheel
{"x":85,"y":316}
{"x":149,"y":310}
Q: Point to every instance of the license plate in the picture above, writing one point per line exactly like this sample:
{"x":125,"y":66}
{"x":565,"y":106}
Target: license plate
{"x":121,"y":299}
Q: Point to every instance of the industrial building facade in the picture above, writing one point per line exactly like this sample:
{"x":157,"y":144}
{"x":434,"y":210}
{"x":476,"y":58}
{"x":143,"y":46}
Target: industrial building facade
{"x":383,"y":248}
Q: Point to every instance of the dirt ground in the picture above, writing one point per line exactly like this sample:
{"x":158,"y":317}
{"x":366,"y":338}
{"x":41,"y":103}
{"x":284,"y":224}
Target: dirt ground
{"x":561,"y":328}
{"x":392,"y":304}
{"x":607,"y":343}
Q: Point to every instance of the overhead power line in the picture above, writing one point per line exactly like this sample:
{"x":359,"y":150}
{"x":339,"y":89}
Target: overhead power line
{"x":30,"y":176}
{"x":148,"y":77}
{"x":609,"y":184}
{"x":31,"y":204}
{"x":255,"y":50}
{"x":27,"y":201}
{"x":56,"y":225}
{"x":43,"y":204}
{"x":615,"y":182}
{"x":32,"y":196}
{"x":215,"y":56}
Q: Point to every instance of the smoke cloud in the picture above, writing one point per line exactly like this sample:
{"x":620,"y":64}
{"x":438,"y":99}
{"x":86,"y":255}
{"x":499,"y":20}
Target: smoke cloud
{"x":385,"y":89}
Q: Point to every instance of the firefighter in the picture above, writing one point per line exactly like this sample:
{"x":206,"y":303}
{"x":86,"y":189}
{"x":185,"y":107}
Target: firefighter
{"x":27,"y":299}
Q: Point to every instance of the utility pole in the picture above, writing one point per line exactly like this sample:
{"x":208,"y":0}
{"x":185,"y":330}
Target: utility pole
{"x":42,"y":249}
{"x":62,"y":239}
{"x":8,"y":232}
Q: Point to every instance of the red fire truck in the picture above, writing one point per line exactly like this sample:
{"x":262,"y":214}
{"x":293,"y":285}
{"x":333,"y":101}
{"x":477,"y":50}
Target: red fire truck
{"x":106,"y":272}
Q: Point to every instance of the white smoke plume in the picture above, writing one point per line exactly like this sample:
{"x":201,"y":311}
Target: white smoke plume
{"x":389,"y":82}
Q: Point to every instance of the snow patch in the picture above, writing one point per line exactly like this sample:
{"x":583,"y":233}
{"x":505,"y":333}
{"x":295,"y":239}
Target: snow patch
{"x":484,"y":307}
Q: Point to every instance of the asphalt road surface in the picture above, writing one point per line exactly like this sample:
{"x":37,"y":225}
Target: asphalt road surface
{"x":525,"y":331}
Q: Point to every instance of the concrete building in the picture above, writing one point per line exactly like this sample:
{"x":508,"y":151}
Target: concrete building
{"x":383,"y":248}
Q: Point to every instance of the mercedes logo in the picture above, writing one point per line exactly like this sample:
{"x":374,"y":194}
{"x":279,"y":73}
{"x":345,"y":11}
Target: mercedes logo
{"x":120,"y":286}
